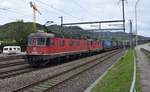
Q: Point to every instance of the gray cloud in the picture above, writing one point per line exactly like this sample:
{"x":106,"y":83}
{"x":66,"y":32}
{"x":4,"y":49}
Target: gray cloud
{"x":76,"y":11}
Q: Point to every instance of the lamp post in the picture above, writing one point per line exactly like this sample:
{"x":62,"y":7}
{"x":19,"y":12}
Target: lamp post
{"x":46,"y":24}
{"x":136,"y":21}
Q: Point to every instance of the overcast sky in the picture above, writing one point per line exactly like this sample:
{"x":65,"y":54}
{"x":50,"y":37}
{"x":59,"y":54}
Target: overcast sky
{"x":77,"y":11}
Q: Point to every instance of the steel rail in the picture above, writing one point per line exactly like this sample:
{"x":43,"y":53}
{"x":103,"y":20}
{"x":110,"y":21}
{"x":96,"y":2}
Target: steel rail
{"x":15,"y":71}
{"x":48,"y":80}
{"x":12,"y":64}
{"x":4,"y":58}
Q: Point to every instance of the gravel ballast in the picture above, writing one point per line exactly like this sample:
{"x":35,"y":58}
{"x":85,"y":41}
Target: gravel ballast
{"x":81,"y":82}
{"x":9,"y":84}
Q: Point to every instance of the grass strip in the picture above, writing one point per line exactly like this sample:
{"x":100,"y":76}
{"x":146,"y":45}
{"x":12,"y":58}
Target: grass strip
{"x":119,"y":78}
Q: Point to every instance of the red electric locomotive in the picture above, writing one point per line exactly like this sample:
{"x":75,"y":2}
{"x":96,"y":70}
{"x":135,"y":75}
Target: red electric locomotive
{"x":43,"y":47}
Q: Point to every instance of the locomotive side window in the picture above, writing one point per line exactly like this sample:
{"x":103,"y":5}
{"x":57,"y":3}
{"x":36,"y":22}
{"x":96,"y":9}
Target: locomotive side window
{"x":71,"y":43}
{"x":49,"y":42}
{"x":41,"y":41}
{"x":62,"y":43}
{"x":78,"y":43}
{"x":91,"y":43}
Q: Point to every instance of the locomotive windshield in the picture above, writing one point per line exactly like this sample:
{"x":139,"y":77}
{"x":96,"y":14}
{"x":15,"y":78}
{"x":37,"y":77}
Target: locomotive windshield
{"x":36,"y":41}
{"x":41,"y":41}
{"x":29,"y":41}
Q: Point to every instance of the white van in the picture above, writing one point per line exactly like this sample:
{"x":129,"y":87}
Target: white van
{"x":11,"y":50}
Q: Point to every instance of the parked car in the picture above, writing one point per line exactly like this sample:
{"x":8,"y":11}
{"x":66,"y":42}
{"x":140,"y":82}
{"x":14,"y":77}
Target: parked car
{"x":11,"y":50}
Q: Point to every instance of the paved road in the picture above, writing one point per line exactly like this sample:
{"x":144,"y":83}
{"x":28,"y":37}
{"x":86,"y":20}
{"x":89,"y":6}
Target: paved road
{"x":144,"y":66}
{"x":147,"y":47}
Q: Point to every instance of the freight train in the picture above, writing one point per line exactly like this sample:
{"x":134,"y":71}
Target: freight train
{"x":43,"y":47}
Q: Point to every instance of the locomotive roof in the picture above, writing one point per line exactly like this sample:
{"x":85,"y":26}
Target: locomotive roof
{"x":42,"y":34}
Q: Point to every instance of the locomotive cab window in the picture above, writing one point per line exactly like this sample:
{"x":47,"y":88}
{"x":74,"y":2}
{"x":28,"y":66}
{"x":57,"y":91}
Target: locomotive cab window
{"x":41,"y":41}
{"x":29,"y":41}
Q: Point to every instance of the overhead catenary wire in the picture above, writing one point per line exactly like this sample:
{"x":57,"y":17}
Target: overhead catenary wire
{"x":59,"y":10}
{"x":15,"y":12}
{"x":6,"y":17}
{"x":2,"y":17}
{"x":48,"y":11}
{"x":11,"y":10}
{"x":82,"y":7}
{"x":17,"y":15}
{"x":45,"y":7}
{"x":41,"y":8}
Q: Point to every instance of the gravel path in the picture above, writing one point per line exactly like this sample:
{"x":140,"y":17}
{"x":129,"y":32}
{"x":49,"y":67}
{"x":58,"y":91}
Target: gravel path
{"x":144,"y":67}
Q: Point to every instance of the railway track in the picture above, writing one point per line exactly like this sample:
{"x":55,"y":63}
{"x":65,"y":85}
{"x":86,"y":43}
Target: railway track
{"x":55,"y":80}
{"x":13,"y":67}
{"x":10,"y":63}
{"x":13,"y":57}
{"x":15,"y":70}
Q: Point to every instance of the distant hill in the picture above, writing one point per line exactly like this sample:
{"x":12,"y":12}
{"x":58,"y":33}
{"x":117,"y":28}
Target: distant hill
{"x":113,"y":35}
{"x":20,"y":30}
{"x":71,"y":32}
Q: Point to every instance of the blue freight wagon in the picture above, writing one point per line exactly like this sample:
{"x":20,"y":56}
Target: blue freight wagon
{"x":115,"y":44}
{"x":107,"y":44}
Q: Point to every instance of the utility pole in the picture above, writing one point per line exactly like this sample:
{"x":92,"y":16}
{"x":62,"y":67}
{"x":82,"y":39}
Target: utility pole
{"x":136,"y":22}
{"x":34,"y":15}
{"x":61,"y":20}
{"x":99,"y":25}
{"x":123,"y":14}
{"x":61,"y":25}
{"x":131,"y":41}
